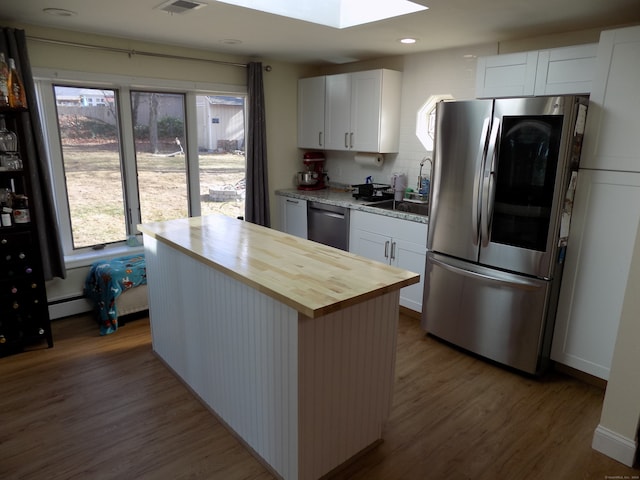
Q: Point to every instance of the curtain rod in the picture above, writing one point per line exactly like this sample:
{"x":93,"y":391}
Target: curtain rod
{"x":132,"y":52}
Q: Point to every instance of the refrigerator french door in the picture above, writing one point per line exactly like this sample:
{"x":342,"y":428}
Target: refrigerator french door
{"x":501,"y":168}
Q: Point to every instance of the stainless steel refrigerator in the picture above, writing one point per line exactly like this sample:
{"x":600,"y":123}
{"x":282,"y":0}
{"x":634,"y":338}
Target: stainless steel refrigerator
{"x":502,"y":169}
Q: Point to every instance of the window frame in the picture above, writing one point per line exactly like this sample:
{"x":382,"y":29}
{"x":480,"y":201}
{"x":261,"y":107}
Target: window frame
{"x":45,"y":80}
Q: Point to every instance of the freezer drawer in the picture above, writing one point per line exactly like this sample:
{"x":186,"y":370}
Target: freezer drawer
{"x":498,"y":315}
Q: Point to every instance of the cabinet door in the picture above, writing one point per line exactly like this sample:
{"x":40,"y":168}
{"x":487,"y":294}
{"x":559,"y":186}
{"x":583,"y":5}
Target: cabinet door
{"x":611,"y":139}
{"x":502,"y":76}
{"x":601,"y":241}
{"x":564,"y":71}
{"x":311,"y":93}
{"x":370,"y":245}
{"x":410,"y":256}
{"x":338,"y":112}
{"x":294,"y":216}
{"x":365,"y":111}
{"x":375,"y":110}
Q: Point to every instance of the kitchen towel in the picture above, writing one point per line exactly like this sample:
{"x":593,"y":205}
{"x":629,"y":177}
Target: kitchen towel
{"x":370,"y":159}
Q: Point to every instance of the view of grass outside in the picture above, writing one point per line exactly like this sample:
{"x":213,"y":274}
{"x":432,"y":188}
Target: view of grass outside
{"x":95,"y":197}
{"x":93,"y":168}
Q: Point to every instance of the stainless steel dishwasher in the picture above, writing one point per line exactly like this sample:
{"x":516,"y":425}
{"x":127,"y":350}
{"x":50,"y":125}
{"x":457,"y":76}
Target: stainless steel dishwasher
{"x":328,"y":224}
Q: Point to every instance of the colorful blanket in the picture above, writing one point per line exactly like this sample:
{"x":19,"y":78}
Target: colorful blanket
{"x":107,"y":279}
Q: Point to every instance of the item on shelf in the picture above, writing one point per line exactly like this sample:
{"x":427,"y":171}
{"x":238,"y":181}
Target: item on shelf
{"x":17,"y":98}
{"x":5,"y":217}
{"x":10,"y":162}
{"x":21,"y":209}
{"x":8,"y":139}
{"x":4,"y":82}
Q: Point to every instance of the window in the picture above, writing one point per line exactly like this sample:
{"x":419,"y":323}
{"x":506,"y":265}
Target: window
{"x":160,"y":140}
{"x":122,"y":156}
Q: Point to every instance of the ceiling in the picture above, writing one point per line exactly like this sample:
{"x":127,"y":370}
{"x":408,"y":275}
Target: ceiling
{"x":234,"y":30}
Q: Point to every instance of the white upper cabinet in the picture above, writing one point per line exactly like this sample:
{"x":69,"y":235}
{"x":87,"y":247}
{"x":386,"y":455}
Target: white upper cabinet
{"x":311,"y":92}
{"x":511,"y":75}
{"x":611,"y":140}
{"x":557,"y":71}
{"x":565,"y":71}
{"x":375,"y":111}
{"x":338,"y":111}
{"x":361,"y":112}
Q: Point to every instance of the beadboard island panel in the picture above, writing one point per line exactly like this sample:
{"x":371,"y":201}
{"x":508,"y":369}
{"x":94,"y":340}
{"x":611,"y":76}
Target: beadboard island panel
{"x":305,"y":383}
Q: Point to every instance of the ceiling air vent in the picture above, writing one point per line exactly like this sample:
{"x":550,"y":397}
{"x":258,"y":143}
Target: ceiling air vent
{"x":179,"y":6}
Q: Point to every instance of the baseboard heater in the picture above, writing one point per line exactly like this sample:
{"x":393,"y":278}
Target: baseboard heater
{"x":69,"y":306}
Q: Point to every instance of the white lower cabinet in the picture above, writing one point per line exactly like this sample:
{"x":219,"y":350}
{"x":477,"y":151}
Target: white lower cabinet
{"x":293,"y":212}
{"x":603,"y":232}
{"x":397,"y":242}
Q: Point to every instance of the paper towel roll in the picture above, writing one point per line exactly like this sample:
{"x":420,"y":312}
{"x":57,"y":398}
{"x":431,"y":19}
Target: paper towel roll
{"x":370,"y":159}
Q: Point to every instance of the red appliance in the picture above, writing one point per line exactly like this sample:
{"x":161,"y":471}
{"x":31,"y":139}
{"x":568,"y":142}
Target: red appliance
{"x":313,"y":177}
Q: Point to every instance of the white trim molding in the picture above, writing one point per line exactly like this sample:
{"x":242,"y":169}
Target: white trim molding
{"x":614,"y":445}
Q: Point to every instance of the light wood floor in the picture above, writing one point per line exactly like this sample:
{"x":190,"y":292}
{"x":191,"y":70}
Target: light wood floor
{"x":106,"y":408}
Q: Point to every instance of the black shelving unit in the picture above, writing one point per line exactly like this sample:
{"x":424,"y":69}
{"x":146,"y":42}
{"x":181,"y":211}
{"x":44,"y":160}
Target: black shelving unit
{"x":24,"y":313}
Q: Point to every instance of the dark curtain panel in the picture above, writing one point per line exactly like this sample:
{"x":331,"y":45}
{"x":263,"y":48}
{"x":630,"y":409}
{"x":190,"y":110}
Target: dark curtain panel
{"x":41,"y":206}
{"x":257,"y":197}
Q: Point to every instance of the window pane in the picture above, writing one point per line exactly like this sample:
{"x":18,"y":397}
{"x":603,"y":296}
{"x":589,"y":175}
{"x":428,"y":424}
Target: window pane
{"x":160,"y":141}
{"x":88,"y":124}
{"x":222,"y":165}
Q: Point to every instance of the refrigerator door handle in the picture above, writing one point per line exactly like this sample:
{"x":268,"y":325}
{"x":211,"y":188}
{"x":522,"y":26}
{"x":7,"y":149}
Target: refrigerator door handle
{"x":477,"y":194}
{"x":488,"y":183}
{"x":497,"y":277}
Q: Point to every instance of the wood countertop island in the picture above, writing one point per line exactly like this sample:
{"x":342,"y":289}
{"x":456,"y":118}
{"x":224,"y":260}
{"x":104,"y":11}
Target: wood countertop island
{"x":289,"y":342}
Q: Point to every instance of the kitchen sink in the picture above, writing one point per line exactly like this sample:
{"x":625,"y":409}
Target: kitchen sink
{"x":403,"y":206}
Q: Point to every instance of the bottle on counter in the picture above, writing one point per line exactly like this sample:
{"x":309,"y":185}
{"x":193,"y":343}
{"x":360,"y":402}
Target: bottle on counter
{"x":4,"y":82}
{"x":17,"y":97}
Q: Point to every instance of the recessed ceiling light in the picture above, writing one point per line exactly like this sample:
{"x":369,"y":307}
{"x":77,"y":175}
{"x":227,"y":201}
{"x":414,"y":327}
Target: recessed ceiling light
{"x":59,"y":12}
{"x":408,"y":41}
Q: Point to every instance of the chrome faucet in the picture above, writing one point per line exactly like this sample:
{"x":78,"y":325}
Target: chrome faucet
{"x":424,"y":160}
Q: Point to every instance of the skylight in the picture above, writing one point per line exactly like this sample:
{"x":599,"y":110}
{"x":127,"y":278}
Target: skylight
{"x":333,"y":13}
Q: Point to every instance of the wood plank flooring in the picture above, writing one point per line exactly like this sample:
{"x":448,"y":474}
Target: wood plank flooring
{"x":106,"y":408}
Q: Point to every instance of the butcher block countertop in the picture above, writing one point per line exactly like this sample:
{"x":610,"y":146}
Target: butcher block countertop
{"x":312,"y":278}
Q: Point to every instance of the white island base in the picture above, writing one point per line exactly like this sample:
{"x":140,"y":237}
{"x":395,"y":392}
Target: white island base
{"x":304,"y":394}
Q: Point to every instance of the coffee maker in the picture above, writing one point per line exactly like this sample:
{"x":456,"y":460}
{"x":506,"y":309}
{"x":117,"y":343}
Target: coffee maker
{"x":313,"y":177}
